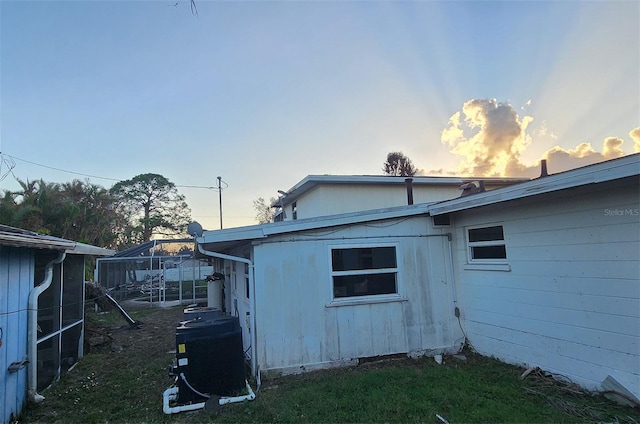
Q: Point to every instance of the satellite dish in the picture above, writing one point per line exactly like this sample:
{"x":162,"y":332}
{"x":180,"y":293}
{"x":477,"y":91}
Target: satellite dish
{"x":194,"y":229}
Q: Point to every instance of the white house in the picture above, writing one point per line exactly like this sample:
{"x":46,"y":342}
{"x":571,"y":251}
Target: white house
{"x":322,"y":195}
{"x":548,"y":272}
{"x":41,"y":313}
{"x":544,"y":272}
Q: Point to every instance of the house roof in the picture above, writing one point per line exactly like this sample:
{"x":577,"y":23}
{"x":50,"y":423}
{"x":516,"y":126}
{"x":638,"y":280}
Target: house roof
{"x":312,"y":181}
{"x":626,"y":166}
{"x":224,"y":239}
{"x":605,"y":171}
{"x":17,"y":237}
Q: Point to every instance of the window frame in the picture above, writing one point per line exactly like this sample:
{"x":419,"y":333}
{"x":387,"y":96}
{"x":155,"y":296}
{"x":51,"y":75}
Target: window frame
{"x":366,"y":298}
{"x":485,"y":243}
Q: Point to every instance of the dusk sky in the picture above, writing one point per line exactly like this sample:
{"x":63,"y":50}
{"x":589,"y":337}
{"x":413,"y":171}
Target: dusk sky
{"x":264,"y":93}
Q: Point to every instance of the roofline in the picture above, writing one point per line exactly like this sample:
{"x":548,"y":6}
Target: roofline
{"x":87,"y":249}
{"x":38,"y":241}
{"x":256,"y":232}
{"x":35,"y":241}
{"x":591,"y":174}
{"x":18,"y":237}
{"x":626,"y":166}
{"x":311,"y":181}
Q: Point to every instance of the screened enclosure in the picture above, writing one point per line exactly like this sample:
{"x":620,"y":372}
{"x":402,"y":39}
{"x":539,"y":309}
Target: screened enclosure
{"x":157,"y":271}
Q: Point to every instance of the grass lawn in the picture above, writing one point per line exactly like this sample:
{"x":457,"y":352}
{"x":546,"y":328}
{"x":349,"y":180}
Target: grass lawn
{"x":124,"y":383}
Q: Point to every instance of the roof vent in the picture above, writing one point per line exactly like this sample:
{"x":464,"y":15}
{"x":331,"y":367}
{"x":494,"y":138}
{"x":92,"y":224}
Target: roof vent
{"x":409,"y":183}
{"x":471,"y":187}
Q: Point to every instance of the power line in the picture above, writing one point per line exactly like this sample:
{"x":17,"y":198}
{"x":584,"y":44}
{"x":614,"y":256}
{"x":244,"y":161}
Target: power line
{"x":58,"y":169}
{"x":11,"y":165}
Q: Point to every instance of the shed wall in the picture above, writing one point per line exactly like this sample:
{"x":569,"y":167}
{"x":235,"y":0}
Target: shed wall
{"x":570,"y":302}
{"x":301,"y":326}
{"x":16,"y":281}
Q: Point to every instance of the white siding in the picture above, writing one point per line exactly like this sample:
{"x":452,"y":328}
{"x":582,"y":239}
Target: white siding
{"x":571,"y":300}
{"x":300,"y":328}
{"x":344,"y":198}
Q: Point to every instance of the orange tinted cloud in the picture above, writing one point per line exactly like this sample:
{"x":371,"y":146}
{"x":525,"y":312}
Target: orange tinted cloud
{"x":488,"y":135}
{"x":635,"y":136}
{"x":491,"y":137}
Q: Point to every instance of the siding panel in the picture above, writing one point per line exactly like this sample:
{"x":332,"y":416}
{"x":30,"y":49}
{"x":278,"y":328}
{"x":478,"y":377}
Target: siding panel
{"x":571,"y":302}
{"x":16,"y":280}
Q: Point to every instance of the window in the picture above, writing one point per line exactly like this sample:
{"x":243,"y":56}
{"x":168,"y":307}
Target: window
{"x":486,"y":243}
{"x":364,"y":271}
{"x":294,"y":210}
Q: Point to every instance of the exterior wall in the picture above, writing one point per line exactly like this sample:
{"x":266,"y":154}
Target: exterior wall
{"x":16,"y":281}
{"x":299,"y":324}
{"x":343,"y":198}
{"x":332,"y":199}
{"x":59,"y":342}
{"x":237,"y":291}
{"x":570,"y":300}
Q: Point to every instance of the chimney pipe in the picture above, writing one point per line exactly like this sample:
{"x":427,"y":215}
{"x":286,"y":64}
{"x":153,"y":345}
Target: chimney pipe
{"x":409,"y":183}
{"x":543,"y":168}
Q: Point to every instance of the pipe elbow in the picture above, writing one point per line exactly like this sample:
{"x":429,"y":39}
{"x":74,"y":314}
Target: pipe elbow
{"x":35,"y":397}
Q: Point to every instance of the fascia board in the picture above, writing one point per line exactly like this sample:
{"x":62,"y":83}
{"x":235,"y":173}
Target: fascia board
{"x":257,"y":232}
{"x":36,"y":242}
{"x":87,"y":249}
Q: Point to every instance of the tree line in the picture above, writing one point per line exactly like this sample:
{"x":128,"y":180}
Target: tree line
{"x":129,"y":213}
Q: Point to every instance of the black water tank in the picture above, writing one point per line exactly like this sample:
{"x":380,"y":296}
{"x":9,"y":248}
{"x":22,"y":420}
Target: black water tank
{"x":201,"y":312}
{"x":209,"y":359}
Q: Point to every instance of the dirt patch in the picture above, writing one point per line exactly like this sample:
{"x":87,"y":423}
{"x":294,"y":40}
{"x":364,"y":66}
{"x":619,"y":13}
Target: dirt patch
{"x":155,"y":332}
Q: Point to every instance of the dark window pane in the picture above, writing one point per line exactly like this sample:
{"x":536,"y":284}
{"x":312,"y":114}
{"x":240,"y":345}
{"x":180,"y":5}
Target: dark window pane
{"x":363,"y":258}
{"x":486,"y":234}
{"x":489,"y":252}
{"x":364,"y":285}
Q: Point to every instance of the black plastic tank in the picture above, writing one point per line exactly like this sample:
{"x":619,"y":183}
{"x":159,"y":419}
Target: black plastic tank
{"x":202,"y":313}
{"x":209,"y":359}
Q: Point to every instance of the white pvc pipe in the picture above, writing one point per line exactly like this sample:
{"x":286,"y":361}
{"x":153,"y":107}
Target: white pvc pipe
{"x":32,"y":329}
{"x":171,"y":394}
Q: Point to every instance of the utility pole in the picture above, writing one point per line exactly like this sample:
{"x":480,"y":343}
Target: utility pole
{"x":220,"y":198}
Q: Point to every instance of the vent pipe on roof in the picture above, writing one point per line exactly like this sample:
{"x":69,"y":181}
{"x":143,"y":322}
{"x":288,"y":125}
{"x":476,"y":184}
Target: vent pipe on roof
{"x":543,"y":168}
{"x":409,"y":183}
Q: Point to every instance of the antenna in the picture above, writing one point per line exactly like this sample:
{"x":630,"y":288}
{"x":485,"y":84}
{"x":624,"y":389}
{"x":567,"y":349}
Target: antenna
{"x":194,"y":229}
{"x":220,"y":198}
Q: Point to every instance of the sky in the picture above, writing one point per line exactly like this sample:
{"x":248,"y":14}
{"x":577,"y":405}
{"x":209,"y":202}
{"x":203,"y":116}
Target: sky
{"x":264,"y":93}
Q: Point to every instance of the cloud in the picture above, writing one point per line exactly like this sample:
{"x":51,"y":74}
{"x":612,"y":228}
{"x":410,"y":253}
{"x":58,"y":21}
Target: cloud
{"x":635,"y":136}
{"x":491,"y":137}
{"x":560,"y":159}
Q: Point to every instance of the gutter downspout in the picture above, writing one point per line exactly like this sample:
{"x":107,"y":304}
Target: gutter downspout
{"x":252,"y":306}
{"x":32,"y":329}
{"x":456,"y":308}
